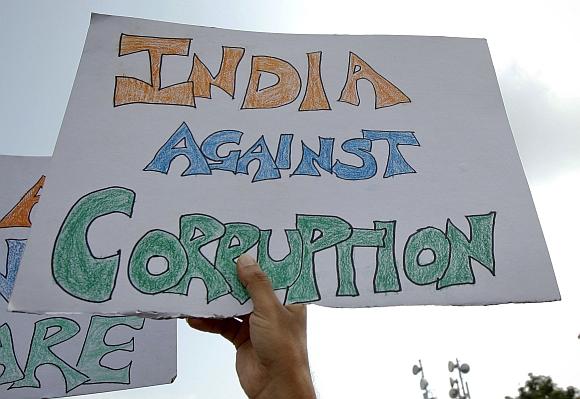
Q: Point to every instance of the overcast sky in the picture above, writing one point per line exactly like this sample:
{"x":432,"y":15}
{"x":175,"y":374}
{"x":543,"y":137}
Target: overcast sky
{"x":363,"y":353}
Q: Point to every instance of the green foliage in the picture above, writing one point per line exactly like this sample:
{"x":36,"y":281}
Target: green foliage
{"x":542,"y":387}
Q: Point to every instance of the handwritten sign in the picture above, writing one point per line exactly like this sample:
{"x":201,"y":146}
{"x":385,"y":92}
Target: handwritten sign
{"x":360,"y":170}
{"x":54,"y":356}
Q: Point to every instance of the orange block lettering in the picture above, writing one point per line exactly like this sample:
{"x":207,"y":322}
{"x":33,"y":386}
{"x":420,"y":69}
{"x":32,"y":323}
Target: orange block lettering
{"x":315,"y":98}
{"x":131,"y":90}
{"x":226,"y":77}
{"x":283,"y":92}
{"x":386,"y":93}
{"x":19,"y":216}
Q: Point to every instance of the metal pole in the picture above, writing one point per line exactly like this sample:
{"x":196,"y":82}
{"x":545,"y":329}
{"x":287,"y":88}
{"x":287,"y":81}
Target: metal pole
{"x":460,"y":377}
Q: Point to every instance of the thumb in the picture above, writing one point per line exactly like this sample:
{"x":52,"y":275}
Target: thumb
{"x":258,"y":285}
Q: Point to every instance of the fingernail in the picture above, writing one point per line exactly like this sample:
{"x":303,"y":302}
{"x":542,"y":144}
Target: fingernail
{"x":246,"y":260}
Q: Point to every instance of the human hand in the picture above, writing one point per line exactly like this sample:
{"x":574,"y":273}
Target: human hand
{"x":271,"y":357}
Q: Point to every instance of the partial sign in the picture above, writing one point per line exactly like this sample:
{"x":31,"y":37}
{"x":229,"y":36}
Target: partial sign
{"x":54,"y":356}
{"x":360,"y":170}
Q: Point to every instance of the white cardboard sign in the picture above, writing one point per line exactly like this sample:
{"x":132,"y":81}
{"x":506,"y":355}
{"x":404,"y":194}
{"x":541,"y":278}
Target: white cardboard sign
{"x":360,"y":170}
{"x":55,"y":356}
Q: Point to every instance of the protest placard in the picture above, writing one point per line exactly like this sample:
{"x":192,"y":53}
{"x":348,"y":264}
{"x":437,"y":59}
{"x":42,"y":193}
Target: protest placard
{"x":54,"y":356}
{"x":360,"y":170}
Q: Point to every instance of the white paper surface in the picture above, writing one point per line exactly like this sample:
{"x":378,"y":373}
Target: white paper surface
{"x":133,"y":352}
{"x":418,"y":178}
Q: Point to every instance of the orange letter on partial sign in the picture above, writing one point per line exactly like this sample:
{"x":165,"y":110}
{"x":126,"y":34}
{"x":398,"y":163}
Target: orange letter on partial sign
{"x":19,"y":216}
{"x":315,"y":98}
{"x":386,"y":93}
{"x":226,"y":77}
{"x":281,"y":93}
{"x":131,"y":90}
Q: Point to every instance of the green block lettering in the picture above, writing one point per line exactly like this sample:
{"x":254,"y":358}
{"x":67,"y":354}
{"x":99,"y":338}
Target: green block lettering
{"x":247,"y":236}
{"x":386,"y":275}
{"x":427,"y":239}
{"x":74,"y":267}
{"x":10,"y":369}
{"x":478,"y":247}
{"x":41,"y":353}
{"x":95,"y":349}
{"x":199,"y":266}
{"x":285,"y":271}
{"x":157,"y":243}
{"x":332,"y":230}
{"x":344,"y":256}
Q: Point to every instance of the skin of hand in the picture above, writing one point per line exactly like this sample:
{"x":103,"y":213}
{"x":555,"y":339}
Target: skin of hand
{"x":271,"y":351}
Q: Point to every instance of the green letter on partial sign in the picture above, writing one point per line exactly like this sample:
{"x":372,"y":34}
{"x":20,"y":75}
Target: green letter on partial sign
{"x":10,"y":368}
{"x":41,"y":353}
{"x":95,"y":348}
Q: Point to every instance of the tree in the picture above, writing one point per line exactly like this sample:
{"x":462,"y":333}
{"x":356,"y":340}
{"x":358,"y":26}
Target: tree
{"x":542,"y":387}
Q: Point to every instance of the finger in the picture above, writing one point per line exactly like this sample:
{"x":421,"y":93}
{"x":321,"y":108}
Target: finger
{"x":227,"y":328}
{"x":258,"y":285}
{"x":244,"y":332}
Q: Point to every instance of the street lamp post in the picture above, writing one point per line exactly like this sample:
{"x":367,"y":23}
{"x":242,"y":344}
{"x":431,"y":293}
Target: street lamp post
{"x":459,"y":388}
{"x":423,"y":383}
